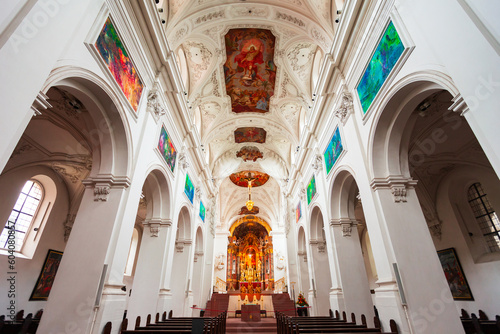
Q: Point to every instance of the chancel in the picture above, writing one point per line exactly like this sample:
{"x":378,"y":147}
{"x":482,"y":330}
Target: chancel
{"x":250,"y":166}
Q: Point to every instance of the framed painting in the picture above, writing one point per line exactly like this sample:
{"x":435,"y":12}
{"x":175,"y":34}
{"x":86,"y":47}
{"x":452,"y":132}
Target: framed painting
{"x":114,"y":54}
{"x":298,"y":212}
{"x":311,"y":190}
{"x":250,"y":71}
{"x":386,"y":55}
{"x":333,"y":151}
{"x":202,"y":211}
{"x":45,"y":280}
{"x":189,"y":188}
{"x":167,"y":149}
{"x":454,"y":274}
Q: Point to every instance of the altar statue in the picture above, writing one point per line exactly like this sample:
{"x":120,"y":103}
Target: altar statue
{"x":250,"y":274}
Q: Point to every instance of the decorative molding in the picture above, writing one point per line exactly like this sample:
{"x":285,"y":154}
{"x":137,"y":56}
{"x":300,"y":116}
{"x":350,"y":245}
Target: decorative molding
{"x":291,"y":19}
{"x":197,"y":255}
{"x":345,"y":108}
{"x":183,"y":161}
{"x":302,"y":254}
{"x":219,"y":261}
{"x":198,"y":193}
{"x":156,"y":224}
{"x":317,"y":163}
{"x":102,"y":185}
{"x":399,"y":186}
{"x":346,"y":224}
{"x":154,"y":105}
{"x":459,"y":105}
{"x":68,"y":225}
{"x":179,"y":244}
{"x":40,"y":104}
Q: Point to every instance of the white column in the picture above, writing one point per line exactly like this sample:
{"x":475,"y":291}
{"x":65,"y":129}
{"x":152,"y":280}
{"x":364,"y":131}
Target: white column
{"x":70,"y":307}
{"x":147,"y":278}
{"x":355,"y":287}
{"x":430,"y":304}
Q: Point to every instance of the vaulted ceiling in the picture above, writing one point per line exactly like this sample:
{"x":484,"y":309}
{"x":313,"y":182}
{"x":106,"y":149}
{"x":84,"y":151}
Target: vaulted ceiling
{"x":303,"y":32}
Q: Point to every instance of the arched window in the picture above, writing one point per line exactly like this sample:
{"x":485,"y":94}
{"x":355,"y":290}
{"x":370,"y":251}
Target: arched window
{"x":486,"y":216}
{"x":22,"y":216}
{"x":131,"y":253}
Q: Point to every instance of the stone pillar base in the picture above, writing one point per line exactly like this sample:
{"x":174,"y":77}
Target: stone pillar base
{"x":112,"y":307}
{"x":388,"y":303}
{"x":164,"y":301}
{"x":337,"y":300}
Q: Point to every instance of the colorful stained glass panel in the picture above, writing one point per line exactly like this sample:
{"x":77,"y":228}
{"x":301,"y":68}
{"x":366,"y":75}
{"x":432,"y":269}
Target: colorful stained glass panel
{"x":114,"y":54}
{"x":202,"y":211}
{"x":298,"y":212}
{"x":311,"y":190}
{"x":387,"y":54}
{"x":189,"y":189}
{"x":167,"y":149}
{"x":333,"y":150}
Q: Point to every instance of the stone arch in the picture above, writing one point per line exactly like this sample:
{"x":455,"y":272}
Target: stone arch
{"x":322,"y":281}
{"x":198,"y":272}
{"x":388,"y":154}
{"x":110,"y":137}
{"x":302,"y":258}
{"x":181,"y":284}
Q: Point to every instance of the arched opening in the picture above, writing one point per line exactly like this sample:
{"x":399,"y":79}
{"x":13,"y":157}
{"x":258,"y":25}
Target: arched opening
{"x":320,"y":262}
{"x":353,"y":249}
{"x":198,"y":273}
{"x":446,"y":159}
{"x":181,"y":286}
{"x":418,"y":141}
{"x":250,"y":267}
{"x":304,"y":285}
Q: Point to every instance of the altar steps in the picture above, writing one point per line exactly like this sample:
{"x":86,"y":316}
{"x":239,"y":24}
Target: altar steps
{"x":282,"y":303}
{"x":265,"y":326}
{"x":217,"y":304}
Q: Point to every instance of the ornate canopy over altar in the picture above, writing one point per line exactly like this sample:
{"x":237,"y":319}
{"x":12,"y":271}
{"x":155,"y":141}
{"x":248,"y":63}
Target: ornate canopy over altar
{"x":250,"y":256}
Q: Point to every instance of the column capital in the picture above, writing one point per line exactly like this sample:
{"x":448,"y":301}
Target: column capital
{"x":103,"y":183}
{"x":155,"y":224}
{"x":398,"y":185}
{"x":346,"y":223}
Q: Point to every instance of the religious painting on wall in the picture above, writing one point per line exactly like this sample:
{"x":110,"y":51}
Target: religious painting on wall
{"x":250,"y":134}
{"x":44,"y":283}
{"x":298,"y":212}
{"x":333,"y":150}
{"x":189,"y":188}
{"x":454,"y":274}
{"x":202,"y":211}
{"x":249,"y":70}
{"x":311,"y":190}
{"x":114,"y":54}
{"x":387,"y":54}
{"x":167,"y":149}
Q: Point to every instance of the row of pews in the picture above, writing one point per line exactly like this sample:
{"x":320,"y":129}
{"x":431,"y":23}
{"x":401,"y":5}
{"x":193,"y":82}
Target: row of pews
{"x":21,"y":324}
{"x":331,"y":324}
{"x":198,"y":325}
{"x":479,"y":325}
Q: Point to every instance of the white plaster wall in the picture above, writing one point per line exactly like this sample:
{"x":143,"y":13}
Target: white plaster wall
{"x":458,"y":221}
{"x":52,"y":237}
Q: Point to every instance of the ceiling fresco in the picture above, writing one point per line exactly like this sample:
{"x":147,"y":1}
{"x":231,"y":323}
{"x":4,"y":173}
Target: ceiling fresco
{"x":249,"y":153}
{"x":241,"y":179}
{"x":249,"y":71}
{"x":251,"y":134}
